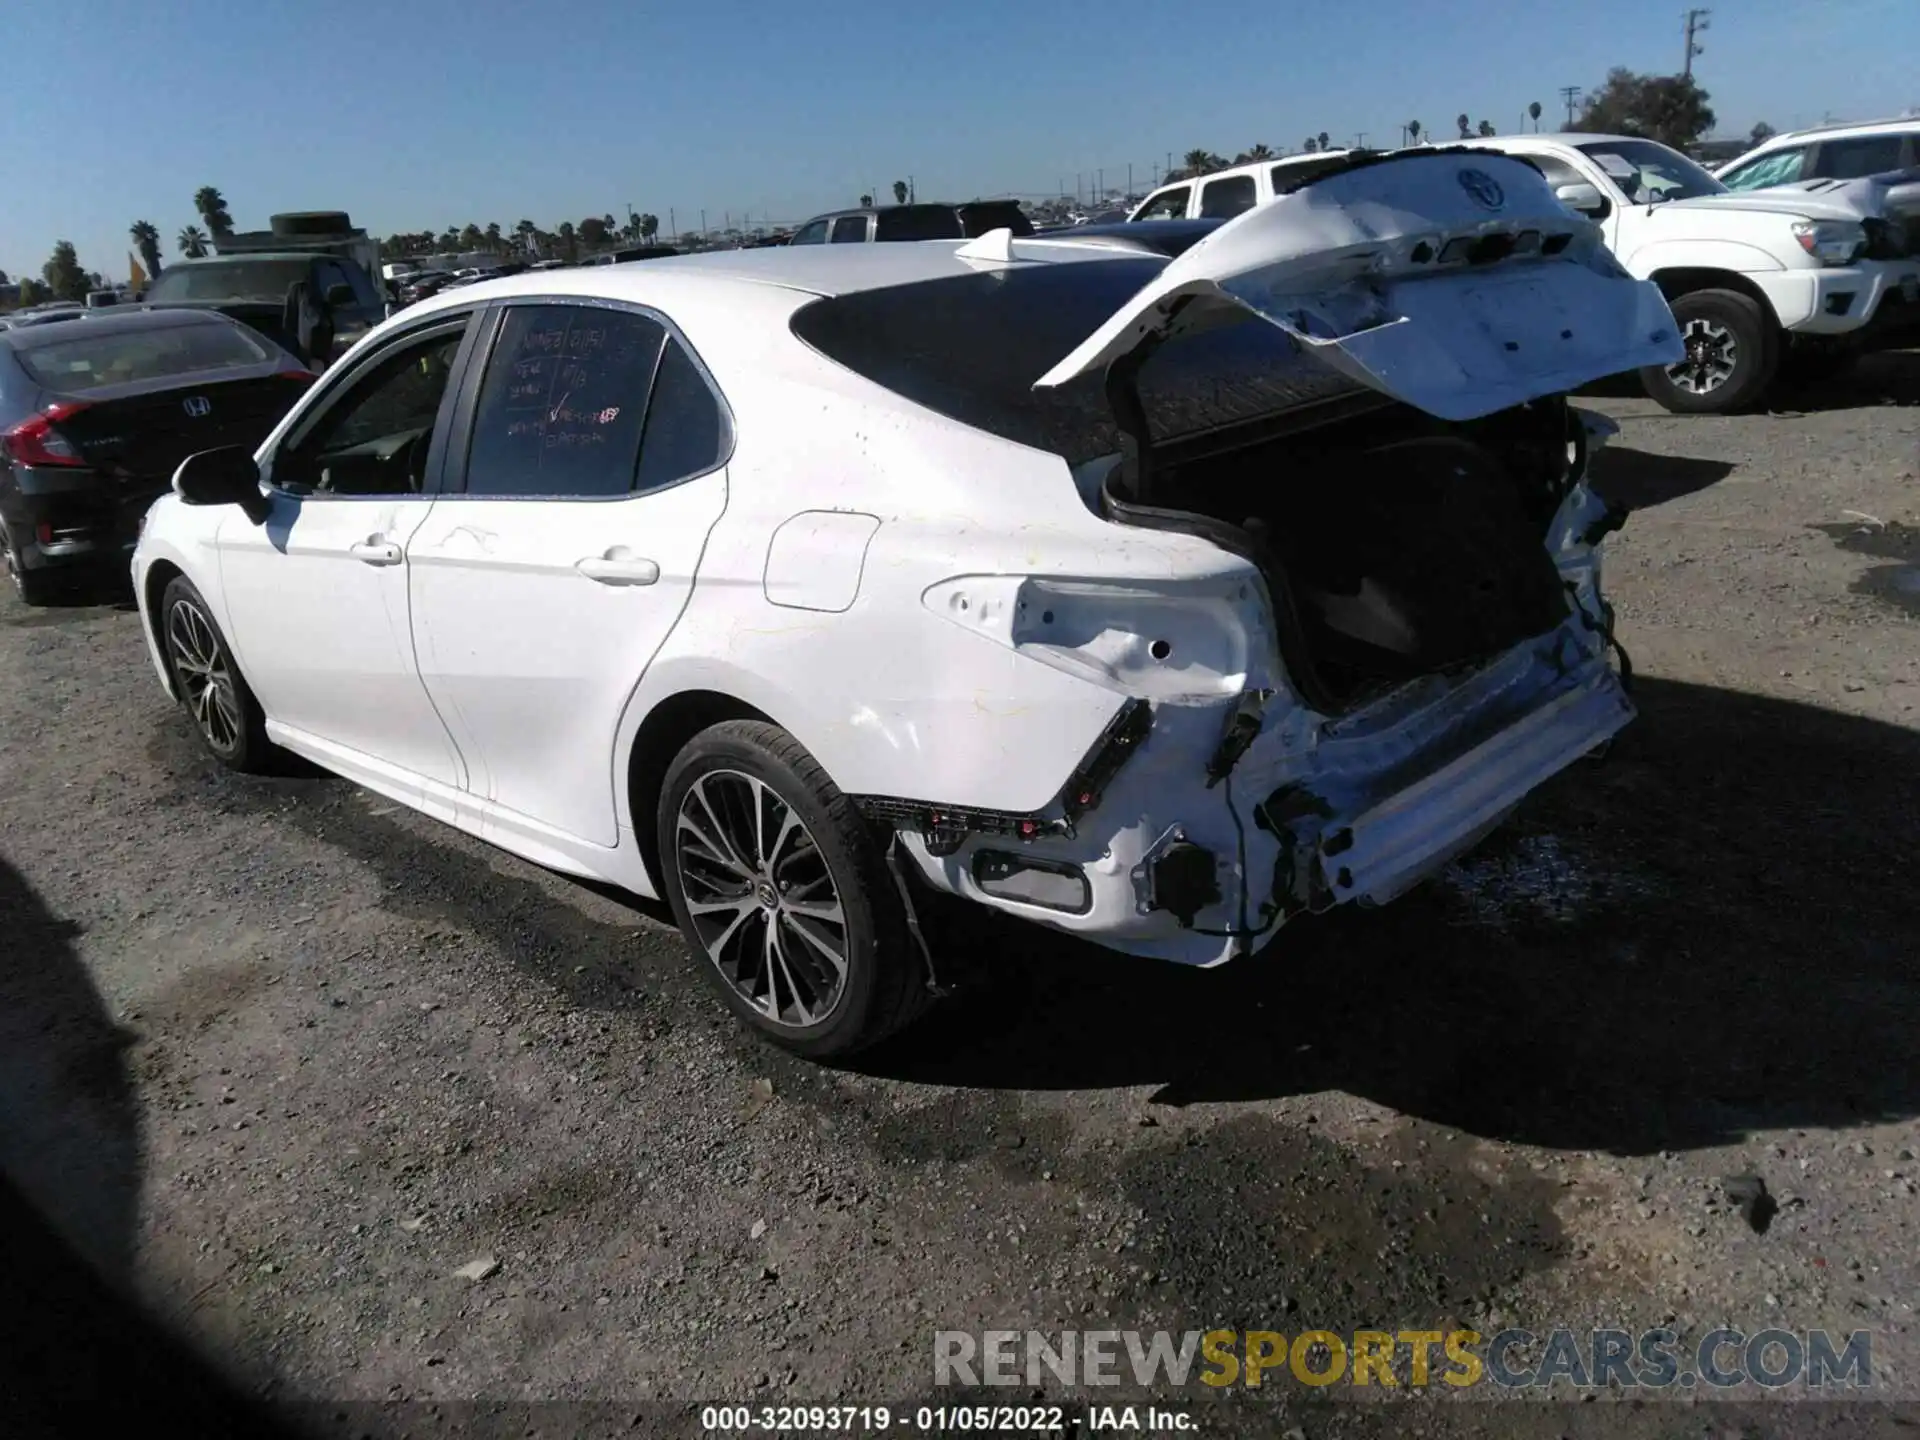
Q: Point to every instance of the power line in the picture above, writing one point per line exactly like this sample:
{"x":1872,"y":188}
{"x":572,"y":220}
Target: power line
{"x":1570,"y":94}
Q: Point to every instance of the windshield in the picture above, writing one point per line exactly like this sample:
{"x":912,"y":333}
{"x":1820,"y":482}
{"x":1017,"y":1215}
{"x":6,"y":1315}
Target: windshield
{"x":1648,"y":172}
{"x":93,"y":361}
{"x":241,"y":280}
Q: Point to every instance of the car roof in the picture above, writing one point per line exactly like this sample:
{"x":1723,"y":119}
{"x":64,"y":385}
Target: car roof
{"x":1841,"y":128}
{"x":822,"y":270}
{"x":115,"y":320}
{"x":1249,"y":167}
{"x":246,"y":255}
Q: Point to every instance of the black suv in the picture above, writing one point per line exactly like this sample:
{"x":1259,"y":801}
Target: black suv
{"x":913,"y":222}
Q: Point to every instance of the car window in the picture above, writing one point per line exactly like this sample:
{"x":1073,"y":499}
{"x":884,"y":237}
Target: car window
{"x":686,"y":431}
{"x":1167,"y":205}
{"x":94,"y":361}
{"x":912,"y":222}
{"x":1555,"y":171}
{"x":373,"y":440}
{"x":1782,"y":167}
{"x":983,"y":217}
{"x":1648,"y":172}
{"x":1851,"y":159}
{"x":850,"y":227}
{"x":562,"y":402}
{"x":228,"y":280}
{"x":814,"y":232}
{"x":1222,"y":199}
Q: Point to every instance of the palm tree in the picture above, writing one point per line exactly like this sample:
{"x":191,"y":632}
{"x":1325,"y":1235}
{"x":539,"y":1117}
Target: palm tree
{"x":899,"y":192}
{"x":1199,"y":161}
{"x":865,"y":201}
{"x":1323,"y":140}
{"x":493,"y":234}
{"x":1309,"y":145}
{"x":470,"y":236}
{"x":1533,"y":112}
{"x":192,"y":241}
{"x":146,"y":239}
{"x":1486,"y":127}
{"x":568,"y":241}
{"x":1466,"y":125}
{"x":212,"y":206}
{"x":1413,"y":132}
{"x":1260,"y":152}
{"x":649,"y":227}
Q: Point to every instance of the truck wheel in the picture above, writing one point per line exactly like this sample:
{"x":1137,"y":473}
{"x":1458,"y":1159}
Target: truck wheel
{"x":1733,"y":350}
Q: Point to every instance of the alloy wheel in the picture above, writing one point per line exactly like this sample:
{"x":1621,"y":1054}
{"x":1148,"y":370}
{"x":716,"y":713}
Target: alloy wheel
{"x":1712,"y":356}
{"x":761,"y":897}
{"x":206,"y":681}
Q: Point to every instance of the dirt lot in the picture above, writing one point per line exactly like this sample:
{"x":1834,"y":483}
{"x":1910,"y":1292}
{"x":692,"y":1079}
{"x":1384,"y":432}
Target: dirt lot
{"x":285,"y":1057}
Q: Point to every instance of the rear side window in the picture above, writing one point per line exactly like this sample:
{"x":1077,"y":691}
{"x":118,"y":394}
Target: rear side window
{"x":562,"y":402}
{"x":1167,"y":205}
{"x":1852,"y":159}
{"x":80,"y":361}
{"x":984,"y":216}
{"x":917,"y":222}
{"x":1223,"y":199}
{"x":970,"y":347}
{"x":850,"y":229}
{"x":1783,"y":167}
{"x":230,"y":280}
{"x":581,"y":402}
{"x":812,"y":233}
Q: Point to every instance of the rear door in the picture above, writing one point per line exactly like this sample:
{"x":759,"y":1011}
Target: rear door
{"x":579,"y":498}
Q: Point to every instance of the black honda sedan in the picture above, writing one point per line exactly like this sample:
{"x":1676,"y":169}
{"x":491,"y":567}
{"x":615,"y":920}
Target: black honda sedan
{"x":95,"y":416}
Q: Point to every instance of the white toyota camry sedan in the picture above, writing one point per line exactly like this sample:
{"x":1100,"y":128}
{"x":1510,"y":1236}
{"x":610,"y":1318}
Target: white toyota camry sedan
{"x":1157,"y":601}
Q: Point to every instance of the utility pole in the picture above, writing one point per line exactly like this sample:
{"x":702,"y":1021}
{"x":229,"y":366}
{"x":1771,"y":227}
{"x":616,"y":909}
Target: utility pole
{"x":1360,"y":140}
{"x":1129,"y":177}
{"x":1696,"y":22}
{"x":1570,"y":94}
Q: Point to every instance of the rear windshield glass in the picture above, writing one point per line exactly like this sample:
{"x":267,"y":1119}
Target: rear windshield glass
{"x":982,"y":216}
{"x":241,"y":280}
{"x":917,"y":222}
{"x":82,"y":361}
{"x":971,"y":346}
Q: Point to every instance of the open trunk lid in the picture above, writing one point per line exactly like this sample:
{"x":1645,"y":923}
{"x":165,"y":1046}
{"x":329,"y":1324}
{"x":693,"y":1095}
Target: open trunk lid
{"x":1453,"y":281}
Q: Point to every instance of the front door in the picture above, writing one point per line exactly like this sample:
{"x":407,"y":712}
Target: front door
{"x":562,"y":553}
{"x":317,"y":596}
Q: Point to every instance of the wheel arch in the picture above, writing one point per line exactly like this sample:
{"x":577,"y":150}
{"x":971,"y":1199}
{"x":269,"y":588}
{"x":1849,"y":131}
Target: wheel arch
{"x":160,"y":574}
{"x":1679,"y":280}
{"x":664,"y":732}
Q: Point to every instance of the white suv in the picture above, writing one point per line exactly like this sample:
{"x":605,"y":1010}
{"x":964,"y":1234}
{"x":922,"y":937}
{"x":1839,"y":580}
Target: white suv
{"x":1755,"y":277}
{"x":1832,"y":152}
{"x":1225,"y":193}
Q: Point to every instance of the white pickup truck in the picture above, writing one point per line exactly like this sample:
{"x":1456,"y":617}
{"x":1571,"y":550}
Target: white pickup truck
{"x":1760,"y":281}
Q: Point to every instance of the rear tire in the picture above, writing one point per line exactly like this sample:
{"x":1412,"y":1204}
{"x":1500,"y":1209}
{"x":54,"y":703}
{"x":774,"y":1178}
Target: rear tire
{"x":31,"y":586}
{"x":1733,"y":353}
{"x":209,"y":685}
{"x":784,"y":894}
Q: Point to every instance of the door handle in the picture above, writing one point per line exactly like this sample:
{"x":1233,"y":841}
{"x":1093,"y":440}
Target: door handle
{"x":374,"y":551}
{"x":618,"y":569}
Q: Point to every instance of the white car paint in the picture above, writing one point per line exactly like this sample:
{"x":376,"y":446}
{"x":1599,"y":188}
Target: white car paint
{"x":1190,"y":200}
{"x":1745,"y":234}
{"x":936,"y":613}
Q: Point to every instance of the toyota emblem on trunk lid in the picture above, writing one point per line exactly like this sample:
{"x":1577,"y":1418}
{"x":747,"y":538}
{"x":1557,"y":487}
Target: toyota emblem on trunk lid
{"x":1483,"y":188}
{"x":196,"y":405}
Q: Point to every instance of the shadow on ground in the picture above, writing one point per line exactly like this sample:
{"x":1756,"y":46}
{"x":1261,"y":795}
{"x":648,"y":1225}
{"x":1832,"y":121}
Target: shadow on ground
{"x":1894,"y":582}
{"x":1891,"y":377}
{"x":1698,"y":939}
{"x":80,"y":1358}
{"x":1639,"y":479}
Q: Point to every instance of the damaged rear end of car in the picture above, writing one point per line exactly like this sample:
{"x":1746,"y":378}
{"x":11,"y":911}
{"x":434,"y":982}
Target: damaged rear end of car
{"x":1414,"y":636}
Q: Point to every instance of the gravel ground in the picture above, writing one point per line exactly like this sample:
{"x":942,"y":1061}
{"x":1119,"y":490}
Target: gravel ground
{"x":282,"y":1058}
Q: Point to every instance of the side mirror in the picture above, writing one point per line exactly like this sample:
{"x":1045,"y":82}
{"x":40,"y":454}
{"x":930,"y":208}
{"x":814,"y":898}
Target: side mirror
{"x":1583,"y":197}
{"x":339,"y":297}
{"x":226,"y":476}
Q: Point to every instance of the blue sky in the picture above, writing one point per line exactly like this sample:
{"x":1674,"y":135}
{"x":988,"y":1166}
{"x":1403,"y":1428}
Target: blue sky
{"x":428,"y":113}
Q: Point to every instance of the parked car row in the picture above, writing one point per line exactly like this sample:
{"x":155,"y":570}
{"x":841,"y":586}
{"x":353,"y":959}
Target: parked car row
{"x":594,"y":565}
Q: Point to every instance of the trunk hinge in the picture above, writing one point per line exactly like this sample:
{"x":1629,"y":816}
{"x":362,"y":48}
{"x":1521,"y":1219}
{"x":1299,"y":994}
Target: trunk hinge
{"x":1130,"y":414}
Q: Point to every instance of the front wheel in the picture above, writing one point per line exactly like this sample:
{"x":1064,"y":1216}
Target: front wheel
{"x":782,"y":890}
{"x":209,"y":685}
{"x":1733,"y":350}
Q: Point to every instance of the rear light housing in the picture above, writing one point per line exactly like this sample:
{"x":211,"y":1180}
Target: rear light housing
{"x":38,"y":441}
{"x":297,"y":377}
